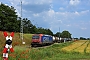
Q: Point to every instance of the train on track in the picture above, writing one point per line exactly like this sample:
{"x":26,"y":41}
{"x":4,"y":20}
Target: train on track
{"x":43,"y":39}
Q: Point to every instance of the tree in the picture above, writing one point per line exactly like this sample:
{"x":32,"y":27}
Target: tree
{"x":8,"y":18}
{"x":49,"y":32}
{"x":33,"y":29}
{"x":27,"y":25}
{"x":44,"y":31}
{"x":65,"y":34}
{"x":58,"y":34}
{"x":82,"y":38}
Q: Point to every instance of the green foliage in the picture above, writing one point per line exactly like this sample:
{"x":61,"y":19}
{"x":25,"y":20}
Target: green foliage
{"x":65,"y":34}
{"x":58,"y":34}
{"x":27,"y":25}
{"x":82,"y":38}
{"x":44,"y":31}
{"x":8,"y":18}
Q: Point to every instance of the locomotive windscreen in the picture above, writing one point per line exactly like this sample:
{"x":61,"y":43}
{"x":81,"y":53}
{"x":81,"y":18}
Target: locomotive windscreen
{"x":35,"y":37}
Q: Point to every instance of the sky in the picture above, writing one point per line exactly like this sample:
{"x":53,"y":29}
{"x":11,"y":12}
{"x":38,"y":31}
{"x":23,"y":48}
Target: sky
{"x":70,"y":15}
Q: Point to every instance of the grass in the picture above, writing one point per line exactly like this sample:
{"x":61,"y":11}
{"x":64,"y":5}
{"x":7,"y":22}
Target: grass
{"x":40,"y":53}
{"x":16,"y":42}
{"x":53,"y":52}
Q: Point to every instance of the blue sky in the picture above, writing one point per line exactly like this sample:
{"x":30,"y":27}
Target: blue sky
{"x":71,"y":15}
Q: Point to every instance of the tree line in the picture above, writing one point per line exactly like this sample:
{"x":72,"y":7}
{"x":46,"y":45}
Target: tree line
{"x":9,"y":21}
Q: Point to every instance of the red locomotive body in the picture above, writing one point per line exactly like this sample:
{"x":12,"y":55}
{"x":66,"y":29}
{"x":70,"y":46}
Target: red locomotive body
{"x":41,"y":39}
{"x":36,"y":39}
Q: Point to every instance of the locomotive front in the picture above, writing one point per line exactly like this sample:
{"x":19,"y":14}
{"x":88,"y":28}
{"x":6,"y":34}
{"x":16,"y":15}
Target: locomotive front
{"x":36,"y":39}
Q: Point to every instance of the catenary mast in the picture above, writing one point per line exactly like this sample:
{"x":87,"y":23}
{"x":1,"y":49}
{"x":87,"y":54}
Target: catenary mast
{"x":21,"y":28}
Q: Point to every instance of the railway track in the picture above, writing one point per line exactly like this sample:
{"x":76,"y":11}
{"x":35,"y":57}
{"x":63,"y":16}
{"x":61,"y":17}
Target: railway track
{"x":44,"y":46}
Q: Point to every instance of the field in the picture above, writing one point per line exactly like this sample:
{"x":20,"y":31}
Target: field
{"x":78,"y":50}
{"x":82,"y":46}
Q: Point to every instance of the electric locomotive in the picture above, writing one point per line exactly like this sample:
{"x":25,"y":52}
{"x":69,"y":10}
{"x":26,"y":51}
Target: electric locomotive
{"x":41,"y":39}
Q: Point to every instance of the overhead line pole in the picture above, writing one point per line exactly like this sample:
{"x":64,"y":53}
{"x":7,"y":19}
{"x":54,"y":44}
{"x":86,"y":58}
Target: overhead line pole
{"x":59,"y":33}
{"x":21,"y":29}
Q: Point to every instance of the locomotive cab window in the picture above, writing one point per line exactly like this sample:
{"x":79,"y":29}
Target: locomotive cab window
{"x":35,"y":37}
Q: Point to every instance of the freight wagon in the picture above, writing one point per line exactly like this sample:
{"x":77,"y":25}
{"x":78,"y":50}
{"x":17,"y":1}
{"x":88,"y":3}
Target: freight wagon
{"x":41,"y":39}
{"x":56,"y":39}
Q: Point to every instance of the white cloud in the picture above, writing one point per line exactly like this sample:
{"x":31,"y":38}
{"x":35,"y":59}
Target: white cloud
{"x":51,"y":13}
{"x":68,"y":19}
{"x":32,"y":6}
{"x":74,"y":2}
{"x":17,"y":5}
{"x":68,"y":25}
{"x":85,"y":11}
{"x":61,"y":8}
{"x":36,"y":15}
{"x":77,"y":13}
{"x":83,"y":28}
{"x":15,"y":2}
{"x":36,"y":1}
{"x":0,"y":3}
{"x":81,"y":12}
{"x":51,"y":5}
{"x":59,"y":21}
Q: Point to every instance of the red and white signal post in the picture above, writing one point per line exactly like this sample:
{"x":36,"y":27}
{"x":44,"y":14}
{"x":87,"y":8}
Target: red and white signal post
{"x":8,"y":45}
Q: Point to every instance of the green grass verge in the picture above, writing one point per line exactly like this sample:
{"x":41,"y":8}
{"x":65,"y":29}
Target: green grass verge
{"x":52,"y":52}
